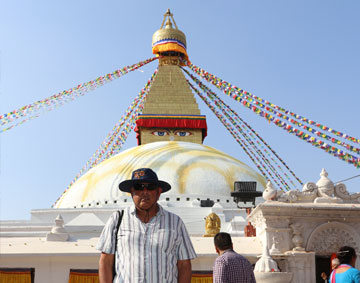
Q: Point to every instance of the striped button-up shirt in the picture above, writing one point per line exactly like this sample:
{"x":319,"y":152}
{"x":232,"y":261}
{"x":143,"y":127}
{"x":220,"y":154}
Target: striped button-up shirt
{"x":230,"y":267}
{"x":147,"y":252}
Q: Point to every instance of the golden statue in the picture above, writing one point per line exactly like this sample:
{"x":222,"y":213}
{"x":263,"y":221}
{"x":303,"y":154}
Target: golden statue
{"x":212,"y":225}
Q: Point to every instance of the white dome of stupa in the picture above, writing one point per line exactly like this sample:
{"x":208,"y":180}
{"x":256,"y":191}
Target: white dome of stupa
{"x":190,"y":168}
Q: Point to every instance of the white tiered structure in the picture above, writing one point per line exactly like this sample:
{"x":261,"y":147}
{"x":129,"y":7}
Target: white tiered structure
{"x":291,"y":232}
{"x":195,"y":171}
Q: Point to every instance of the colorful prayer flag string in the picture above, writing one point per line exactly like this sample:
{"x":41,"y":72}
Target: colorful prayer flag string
{"x":226,"y":110}
{"x":229,"y":112}
{"x":31,"y":111}
{"x":259,"y":100}
{"x":254,"y":157}
{"x":232,"y":116}
{"x":239,"y":94}
{"x":224,"y":86}
{"x":118,"y":135}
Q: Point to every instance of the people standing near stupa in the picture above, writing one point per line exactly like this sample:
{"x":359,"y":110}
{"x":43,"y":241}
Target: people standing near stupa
{"x":153,"y":244}
{"x":334,"y":263}
{"x":346,"y":271}
{"x":230,"y":267}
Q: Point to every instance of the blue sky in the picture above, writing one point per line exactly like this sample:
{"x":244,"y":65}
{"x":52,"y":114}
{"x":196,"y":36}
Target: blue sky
{"x":301,"y":55}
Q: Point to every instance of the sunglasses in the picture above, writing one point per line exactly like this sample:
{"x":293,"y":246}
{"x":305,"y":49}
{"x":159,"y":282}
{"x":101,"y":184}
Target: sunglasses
{"x":149,"y":187}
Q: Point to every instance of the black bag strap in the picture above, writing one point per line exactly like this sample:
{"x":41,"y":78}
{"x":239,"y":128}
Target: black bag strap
{"x":120,"y":216}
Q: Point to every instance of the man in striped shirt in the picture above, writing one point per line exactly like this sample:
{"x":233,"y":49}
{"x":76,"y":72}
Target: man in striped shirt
{"x":153,"y":244}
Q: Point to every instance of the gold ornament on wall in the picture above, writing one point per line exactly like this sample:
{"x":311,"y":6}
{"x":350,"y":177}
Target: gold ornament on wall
{"x":212,"y":225}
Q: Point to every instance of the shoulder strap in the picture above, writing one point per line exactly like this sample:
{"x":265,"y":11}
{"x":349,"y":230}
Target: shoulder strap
{"x":120,"y":216}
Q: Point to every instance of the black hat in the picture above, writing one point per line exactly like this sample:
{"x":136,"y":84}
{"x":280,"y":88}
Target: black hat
{"x":143,"y":175}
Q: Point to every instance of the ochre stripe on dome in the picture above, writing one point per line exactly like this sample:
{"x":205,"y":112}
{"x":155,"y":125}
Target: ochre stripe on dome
{"x":190,"y":168}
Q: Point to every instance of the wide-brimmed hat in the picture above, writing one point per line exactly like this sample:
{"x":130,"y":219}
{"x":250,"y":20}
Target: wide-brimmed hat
{"x":143,"y":175}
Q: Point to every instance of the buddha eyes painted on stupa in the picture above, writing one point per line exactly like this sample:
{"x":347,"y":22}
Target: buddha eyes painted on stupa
{"x":160,"y":133}
{"x":155,"y":134}
{"x":171,"y":132}
{"x":182,"y":133}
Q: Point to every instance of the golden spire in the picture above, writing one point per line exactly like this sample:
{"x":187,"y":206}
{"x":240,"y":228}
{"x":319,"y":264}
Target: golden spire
{"x":169,"y":41}
{"x":170,"y":111}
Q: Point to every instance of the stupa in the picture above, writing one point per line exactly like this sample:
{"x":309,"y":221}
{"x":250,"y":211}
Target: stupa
{"x":170,"y":134}
{"x":296,"y":231}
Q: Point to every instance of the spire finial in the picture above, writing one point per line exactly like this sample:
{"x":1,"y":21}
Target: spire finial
{"x":168,"y":13}
{"x":167,"y":16}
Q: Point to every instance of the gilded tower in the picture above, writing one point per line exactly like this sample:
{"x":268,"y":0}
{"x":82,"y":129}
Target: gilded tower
{"x":170,"y":112}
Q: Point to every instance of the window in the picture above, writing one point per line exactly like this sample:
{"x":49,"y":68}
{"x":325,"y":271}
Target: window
{"x":19,"y":275}
{"x":84,"y":276}
{"x":202,"y":277}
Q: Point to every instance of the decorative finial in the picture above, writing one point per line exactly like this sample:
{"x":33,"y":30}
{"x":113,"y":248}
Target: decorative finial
{"x":168,"y":24}
{"x":270,"y":192}
{"x":168,"y":13}
{"x":265,"y":262}
{"x":324,"y":173}
{"x":58,"y":232}
{"x":324,"y":181}
{"x":167,"y":17}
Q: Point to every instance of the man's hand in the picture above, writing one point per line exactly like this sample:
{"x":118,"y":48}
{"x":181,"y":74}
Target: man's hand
{"x":324,"y":276}
{"x":184,"y":271}
{"x":106,"y":265}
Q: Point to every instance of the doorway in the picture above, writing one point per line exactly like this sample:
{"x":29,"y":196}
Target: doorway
{"x":322,"y":265}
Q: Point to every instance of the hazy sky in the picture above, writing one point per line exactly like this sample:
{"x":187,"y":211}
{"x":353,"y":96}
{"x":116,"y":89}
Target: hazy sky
{"x":301,"y":55}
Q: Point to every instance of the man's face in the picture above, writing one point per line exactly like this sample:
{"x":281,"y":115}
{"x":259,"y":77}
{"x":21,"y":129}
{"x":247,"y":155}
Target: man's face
{"x":145,"y":195}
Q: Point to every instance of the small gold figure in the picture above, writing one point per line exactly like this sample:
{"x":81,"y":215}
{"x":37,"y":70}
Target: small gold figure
{"x":212,"y":225}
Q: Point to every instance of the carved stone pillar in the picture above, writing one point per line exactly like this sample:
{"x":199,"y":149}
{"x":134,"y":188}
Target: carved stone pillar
{"x":297,"y":238}
{"x":302,"y":265}
{"x":272,"y":230}
{"x":277,"y":235}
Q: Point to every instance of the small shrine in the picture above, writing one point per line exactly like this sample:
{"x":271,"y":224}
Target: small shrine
{"x":304,"y":228}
